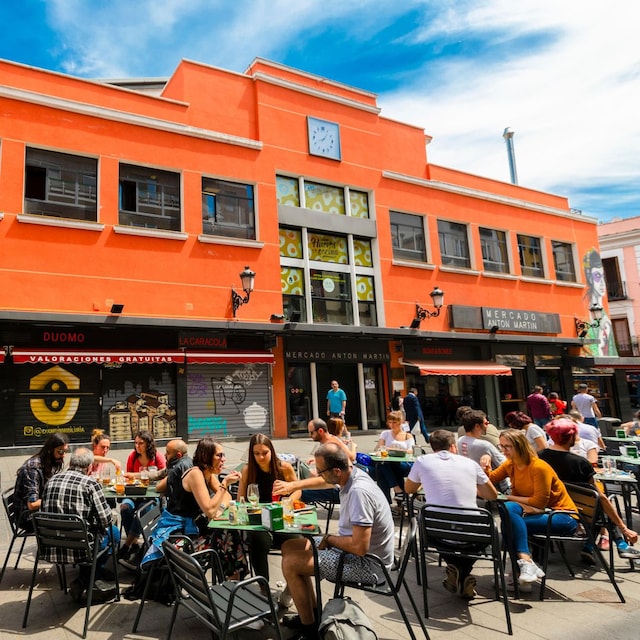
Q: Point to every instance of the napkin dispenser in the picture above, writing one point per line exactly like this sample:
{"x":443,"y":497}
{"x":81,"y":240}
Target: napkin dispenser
{"x":397,"y":453}
{"x":272,"y":517}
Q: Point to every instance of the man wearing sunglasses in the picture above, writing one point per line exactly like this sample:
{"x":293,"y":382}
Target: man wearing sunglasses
{"x":365,"y":526}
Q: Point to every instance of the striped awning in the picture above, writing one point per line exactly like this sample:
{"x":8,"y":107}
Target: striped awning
{"x":106,"y":357}
{"x":230,"y":357}
{"x":459,"y":368}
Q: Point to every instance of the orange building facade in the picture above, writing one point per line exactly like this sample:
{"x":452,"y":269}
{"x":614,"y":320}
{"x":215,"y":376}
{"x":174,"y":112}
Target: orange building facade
{"x":128,"y":210}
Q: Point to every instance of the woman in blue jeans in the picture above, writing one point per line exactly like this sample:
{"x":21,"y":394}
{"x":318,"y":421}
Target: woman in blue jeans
{"x":534,"y":488}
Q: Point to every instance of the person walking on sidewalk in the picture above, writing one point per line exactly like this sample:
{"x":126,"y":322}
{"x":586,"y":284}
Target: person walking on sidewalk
{"x":336,"y":401}
{"x":587,"y":405}
{"x":413,"y":412}
{"x":538,"y":407}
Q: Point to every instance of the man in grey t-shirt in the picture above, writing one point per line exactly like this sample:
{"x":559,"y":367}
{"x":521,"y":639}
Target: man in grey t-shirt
{"x":471,"y":445}
{"x":365,"y":526}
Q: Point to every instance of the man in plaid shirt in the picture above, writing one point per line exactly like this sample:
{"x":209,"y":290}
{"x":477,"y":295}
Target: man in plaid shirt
{"x":75,"y":492}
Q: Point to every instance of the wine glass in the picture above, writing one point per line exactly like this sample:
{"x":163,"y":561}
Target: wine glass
{"x":253,"y":494}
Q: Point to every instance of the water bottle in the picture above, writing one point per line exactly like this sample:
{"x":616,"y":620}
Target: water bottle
{"x":233,"y":512}
{"x":243,"y":515}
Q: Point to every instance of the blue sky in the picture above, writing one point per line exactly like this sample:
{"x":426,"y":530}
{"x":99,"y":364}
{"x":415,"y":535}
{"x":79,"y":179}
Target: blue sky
{"x":563,"y":74}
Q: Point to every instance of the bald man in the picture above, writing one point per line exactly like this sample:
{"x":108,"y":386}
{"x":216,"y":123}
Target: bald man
{"x":176,"y":453}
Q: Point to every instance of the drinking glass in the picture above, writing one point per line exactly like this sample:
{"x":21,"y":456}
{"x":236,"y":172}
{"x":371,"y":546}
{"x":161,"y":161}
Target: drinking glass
{"x":144,"y":476}
{"x":287,"y":512}
{"x":120,"y":484}
{"x":253,"y":494}
{"x":607,"y":464}
{"x":105,"y":477}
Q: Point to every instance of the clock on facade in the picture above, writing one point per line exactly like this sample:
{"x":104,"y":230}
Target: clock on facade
{"x":324,"y":138}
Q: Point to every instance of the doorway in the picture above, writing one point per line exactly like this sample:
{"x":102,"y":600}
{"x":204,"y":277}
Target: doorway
{"x":347,"y":377}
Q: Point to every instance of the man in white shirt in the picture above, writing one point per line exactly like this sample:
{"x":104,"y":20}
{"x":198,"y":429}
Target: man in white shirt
{"x":455,"y":481}
{"x":587,"y":405}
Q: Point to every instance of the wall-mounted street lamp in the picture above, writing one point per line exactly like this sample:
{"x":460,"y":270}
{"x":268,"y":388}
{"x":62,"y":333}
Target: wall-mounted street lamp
{"x":582,"y":326}
{"x":247,"y":278}
{"x":437,"y":295}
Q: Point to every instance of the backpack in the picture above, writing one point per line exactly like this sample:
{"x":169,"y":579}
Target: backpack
{"x":344,"y":619}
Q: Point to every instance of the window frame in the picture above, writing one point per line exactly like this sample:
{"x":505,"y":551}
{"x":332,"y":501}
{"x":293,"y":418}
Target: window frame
{"x":496,"y":242}
{"x":453,"y":260}
{"x":239,"y":230}
{"x":400,"y":219}
{"x":561,"y":275}
{"x":158,"y":184}
{"x":530,"y":271}
{"x":77,"y":184}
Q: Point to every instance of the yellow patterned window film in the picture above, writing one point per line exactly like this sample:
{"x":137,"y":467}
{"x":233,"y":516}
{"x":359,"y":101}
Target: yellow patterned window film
{"x":328,"y":248}
{"x":290,"y":243}
{"x":359,"y":204}
{"x":288,"y":191}
{"x":322,"y":197}
{"x":291,"y":281}
{"x":362,"y":253}
{"x":364,"y":287}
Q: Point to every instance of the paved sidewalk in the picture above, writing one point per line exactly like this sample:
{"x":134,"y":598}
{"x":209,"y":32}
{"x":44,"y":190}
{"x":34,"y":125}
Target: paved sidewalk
{"x":574,"y":608}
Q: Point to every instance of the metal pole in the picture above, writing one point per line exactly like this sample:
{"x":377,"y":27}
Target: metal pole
{"x":508,"y":138}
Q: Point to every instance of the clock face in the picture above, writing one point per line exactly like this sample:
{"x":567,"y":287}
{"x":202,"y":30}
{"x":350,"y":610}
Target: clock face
{"x":324,"y":138}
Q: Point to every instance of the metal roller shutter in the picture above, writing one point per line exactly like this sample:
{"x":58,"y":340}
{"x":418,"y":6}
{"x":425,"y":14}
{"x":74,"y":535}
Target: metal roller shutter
{"x":228,"y":400}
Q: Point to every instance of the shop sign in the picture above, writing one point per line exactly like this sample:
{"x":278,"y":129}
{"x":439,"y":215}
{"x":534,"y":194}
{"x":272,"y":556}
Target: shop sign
{"x":514,"y":320}
{"x":56,"y":399}
{"x":324,"y":351}
{"x":202,"y":340}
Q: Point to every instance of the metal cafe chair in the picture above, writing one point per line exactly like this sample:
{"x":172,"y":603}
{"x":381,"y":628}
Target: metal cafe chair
{"x":147,"y":516}
{"x":17,"y":532}
{"x":467,"y":533}
{"x":223,"y":607}
{"x":592,"y":518}
{"x":68,"y":535}
{"x":389,"y":587}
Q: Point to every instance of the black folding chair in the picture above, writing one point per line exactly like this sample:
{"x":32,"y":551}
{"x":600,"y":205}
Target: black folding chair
{"x":303,"y":472}
{"x":17,"y":532}
{"x":65,"y":535}
{"x":389,"y":587}
{"x":592,"y":518}
{"x":469,"y":533}
{"x":147,"y":516}
{"x":223,"y":607}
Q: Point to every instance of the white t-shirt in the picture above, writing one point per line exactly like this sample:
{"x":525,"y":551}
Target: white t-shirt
{"x":584,"y":404}
{"x":534,"y":431}
{"x":448,"y":479}
{"x":391,"y":443}
{"x":583,"y":446}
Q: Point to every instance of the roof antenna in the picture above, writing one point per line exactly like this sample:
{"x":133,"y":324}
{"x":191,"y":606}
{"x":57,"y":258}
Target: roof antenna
{"x":508,"y":138}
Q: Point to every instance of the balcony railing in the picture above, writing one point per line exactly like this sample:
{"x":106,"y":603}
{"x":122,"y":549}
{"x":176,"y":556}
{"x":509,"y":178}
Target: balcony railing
{"x":616,"y":290}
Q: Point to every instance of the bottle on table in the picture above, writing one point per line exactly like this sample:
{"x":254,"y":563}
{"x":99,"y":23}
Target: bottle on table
{"x":243,"y":514}
{"x":233,"y":512}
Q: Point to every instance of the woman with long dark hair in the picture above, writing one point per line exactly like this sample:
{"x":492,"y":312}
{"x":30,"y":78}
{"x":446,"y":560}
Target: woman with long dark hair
{"x":534,"y":434}
{"x":144,"y":454}
{"x":198,"y":490}
{"x":264,"y":468}
{"x":34,"y":474}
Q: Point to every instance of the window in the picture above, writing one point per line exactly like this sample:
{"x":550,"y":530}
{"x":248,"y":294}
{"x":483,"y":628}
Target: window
{"x":616,"y":289}
{"x":454,"y":244}
{"x":563,"y":261}
{"x":322,"y":197}
{"x":331,"y":297}
{"x":288,"y":191}
{"x":60,"y":185}
{"x":293,"y":301}
{"x":149,"y":198}
{"x":530,"y":256}
{"x":622,"y":336}
{"x":407,"y":237}
{"x":494,"y":250}
{"x":228,"y":209}
{"x":318,"y":274}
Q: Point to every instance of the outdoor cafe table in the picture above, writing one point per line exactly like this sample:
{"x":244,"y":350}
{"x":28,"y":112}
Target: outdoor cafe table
{"x":627,"y":484}
{"x":378,"y":459}
{"x":308,"y":517}
{"x":150,"y":493}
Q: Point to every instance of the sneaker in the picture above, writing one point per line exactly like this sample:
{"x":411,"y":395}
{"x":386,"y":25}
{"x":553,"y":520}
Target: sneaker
{"x":603,"y":543}
{"x":629,"y":553}
{"x":468,"y":588}
{"x":285,"y":600}
{"x":588,"y":557}
{"x":451,"y":581}
{"x":131,"y":561}
{"x":529,"y":571}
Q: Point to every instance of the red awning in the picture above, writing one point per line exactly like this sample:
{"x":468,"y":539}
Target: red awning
{"x":459,"y":368}
{"x":229,"y":357}
{"x":41,"y":356}
{"x":1,"y":357}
